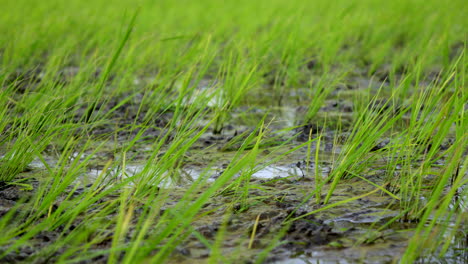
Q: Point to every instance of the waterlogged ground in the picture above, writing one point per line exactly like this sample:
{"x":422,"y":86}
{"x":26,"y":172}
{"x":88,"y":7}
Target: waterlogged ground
{"x":354,"y":232}
{"x":356,"y":226}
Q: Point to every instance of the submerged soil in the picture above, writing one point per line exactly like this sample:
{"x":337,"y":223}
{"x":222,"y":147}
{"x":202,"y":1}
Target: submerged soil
{"x":330,"y":232}
{"x":347,"y":233}
{"x":351,"y":232}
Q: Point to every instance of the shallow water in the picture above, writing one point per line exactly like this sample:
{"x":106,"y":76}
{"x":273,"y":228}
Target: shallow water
{"x":353,"y":232}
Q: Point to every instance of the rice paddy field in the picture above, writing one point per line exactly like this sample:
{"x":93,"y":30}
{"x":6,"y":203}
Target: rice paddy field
{"x":207,"y":131}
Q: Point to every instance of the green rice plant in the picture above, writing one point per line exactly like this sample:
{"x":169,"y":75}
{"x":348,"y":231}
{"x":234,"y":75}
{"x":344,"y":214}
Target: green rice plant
{"x":237,"y":78}
{"x":429,"y":125}
{"x":283,"y":58}
{"x":43,"y":202}
{"x":446,"y":200}
{"x":438,"y":203}
{"x":27,"y":136}
{"x":123,"y":224}
{"x":368,"y":128}
{"x":173,"y":224}
{"x":318,"y":176}
{"x":216,"y":254}
{"x":182,"y":132}
{"x":68,"y":69}
{"x":99,"y":89}
{"x":325,"y":85}
{"x":242,"y":184}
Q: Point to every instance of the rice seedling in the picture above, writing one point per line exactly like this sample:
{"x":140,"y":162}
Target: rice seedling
{"x":199,"y":131}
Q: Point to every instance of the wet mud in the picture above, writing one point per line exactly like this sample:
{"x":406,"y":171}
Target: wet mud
{"x":351,"y":232}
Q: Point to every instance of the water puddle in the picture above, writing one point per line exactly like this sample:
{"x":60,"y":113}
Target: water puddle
{"x":271,"y":172}
{"x":191,"y":174}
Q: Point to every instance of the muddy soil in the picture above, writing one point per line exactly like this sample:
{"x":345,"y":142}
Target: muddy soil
{"x":349,"y":233}
{"x":352,"y":232}
{"x":281,"y":198}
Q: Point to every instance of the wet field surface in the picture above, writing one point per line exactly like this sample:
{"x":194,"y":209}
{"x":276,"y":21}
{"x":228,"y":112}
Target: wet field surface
{"x":358,"y":225}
